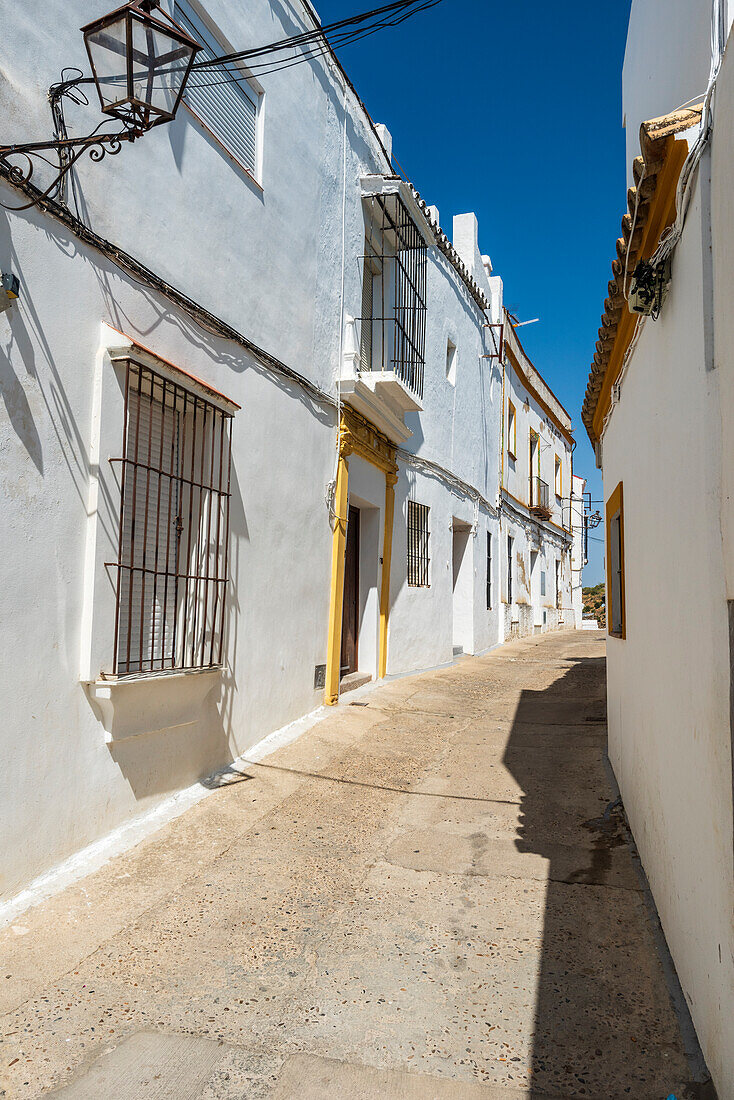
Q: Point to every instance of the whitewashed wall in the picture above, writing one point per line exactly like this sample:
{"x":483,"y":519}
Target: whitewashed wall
{"x":267,"y":260}
{"x":531,"y":611}
{"x":670,"y":740}
{"x":577,"y":549}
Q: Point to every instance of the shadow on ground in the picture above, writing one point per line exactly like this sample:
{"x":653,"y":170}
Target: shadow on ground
{"x":594,"y":1012}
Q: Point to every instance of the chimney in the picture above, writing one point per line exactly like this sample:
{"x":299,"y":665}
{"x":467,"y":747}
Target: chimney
{"x":466,"y":240}
{"x":386,"y":138}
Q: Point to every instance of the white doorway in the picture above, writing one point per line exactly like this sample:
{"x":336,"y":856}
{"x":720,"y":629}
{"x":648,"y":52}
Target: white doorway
{"x":463,"y":588}
{"x":535,"y":590}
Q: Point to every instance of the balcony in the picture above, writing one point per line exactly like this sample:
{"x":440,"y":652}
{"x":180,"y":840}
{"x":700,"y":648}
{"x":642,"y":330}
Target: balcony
{"x":540,"y":498}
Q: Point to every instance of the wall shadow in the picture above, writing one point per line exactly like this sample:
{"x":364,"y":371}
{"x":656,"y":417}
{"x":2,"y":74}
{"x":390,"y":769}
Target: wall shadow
{"x":605,"y":1024}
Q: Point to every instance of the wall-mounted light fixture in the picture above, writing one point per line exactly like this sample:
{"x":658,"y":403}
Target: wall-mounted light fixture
{"x":9,"y":290}
{"x":141,"y":60}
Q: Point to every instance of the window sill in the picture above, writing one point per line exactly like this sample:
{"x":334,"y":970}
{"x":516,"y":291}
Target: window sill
{"x":616,"y":634}
{"x":151,"y":703}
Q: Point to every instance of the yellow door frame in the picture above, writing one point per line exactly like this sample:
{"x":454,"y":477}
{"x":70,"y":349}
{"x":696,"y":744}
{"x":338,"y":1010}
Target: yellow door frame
{"x":358,"y":436}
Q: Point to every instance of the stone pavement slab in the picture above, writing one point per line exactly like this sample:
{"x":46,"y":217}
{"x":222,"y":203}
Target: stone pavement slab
{"x":432,"y":887}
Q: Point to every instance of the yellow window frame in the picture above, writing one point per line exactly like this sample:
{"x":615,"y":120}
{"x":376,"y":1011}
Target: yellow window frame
{"x":615,"y":506}
{"x":511,"y":430}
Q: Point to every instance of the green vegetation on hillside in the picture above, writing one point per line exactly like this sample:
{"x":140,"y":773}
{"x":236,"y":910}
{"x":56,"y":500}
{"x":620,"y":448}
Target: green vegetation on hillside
{"x":595,"y":603}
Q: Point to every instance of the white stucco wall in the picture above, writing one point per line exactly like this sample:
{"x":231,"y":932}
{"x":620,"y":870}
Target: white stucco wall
{"x":669,"y":679}
{"x":666,"y":64}
{"x":538,"y":543}
{"x":268,"y":261}
{"x":578,"y":560}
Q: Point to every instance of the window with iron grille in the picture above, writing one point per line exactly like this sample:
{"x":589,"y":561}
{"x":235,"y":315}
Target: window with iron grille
{"x":224,"y":99}
{"x":418,"y":535}
{"x":393,"y":321}
{"x":174,"y":527}
{"x":489,"y":570}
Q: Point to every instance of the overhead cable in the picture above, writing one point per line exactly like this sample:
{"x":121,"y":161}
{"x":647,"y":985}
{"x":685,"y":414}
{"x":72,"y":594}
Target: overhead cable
{"x":327,"y":32}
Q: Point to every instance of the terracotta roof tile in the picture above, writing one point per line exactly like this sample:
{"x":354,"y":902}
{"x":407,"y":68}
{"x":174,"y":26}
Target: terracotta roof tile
{"x":645,"y":169}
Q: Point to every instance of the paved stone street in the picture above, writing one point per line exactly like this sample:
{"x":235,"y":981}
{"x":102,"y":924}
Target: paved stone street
{"x":421,"y":897}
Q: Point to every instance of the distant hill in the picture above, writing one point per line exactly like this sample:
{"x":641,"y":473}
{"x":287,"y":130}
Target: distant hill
{"x":595,"y":603}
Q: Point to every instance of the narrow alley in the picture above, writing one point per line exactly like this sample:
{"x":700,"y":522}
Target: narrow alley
{"x":425,"y":895}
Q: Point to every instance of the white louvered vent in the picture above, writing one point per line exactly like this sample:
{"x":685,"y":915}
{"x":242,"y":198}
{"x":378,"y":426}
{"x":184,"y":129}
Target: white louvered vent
{"x":221,"y":97}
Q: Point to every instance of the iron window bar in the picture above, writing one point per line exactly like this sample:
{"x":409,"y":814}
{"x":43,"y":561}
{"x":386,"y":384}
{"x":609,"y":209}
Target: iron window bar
{"x":540,"y":497}
{"x":395,"y":263}
{"x":418,"y":536}
{"x":173,"y":559}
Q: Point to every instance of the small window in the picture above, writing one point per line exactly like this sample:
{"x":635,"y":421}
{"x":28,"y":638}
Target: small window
{"x":418,"y":535}
{"x":510,"y":553}
{"x":224,"y":99}
{"x":542,"y":582}
{"x":489,"y":570}
{"x":451,"y":362}
{"x":558,"y":584}
{"x":615,"y":564}
{"x":174,"y":526}
{"x":558,"y":477}
{"x":511,"y":430}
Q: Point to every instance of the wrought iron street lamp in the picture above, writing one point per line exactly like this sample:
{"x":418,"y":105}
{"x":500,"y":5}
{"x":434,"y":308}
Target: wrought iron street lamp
{"x":140,"y":63}
{"x":141,"y":60}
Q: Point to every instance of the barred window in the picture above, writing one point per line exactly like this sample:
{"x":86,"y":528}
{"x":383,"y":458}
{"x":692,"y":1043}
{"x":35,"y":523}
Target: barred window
{"x":393,"y":321}
{"x":489,"y":570}
{"x":418,"y":535}
{"x":174,"y":527}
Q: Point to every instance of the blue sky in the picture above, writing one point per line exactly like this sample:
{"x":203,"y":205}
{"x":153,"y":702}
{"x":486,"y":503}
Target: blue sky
{"x":513,"y":110}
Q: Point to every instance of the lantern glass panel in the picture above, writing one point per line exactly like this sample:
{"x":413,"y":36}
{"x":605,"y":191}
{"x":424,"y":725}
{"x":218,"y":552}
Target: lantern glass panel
{"x":108,"y":53}
{"x":160,"y":64}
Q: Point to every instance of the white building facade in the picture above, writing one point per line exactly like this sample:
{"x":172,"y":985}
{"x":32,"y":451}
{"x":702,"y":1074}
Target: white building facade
{"x":579,"y":546}
{"x":251,"y":434}
{"x":535,"y":490}
{"x":659,"y":409}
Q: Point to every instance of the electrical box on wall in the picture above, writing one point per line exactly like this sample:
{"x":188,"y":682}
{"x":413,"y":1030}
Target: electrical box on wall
{"x":647,"y":290}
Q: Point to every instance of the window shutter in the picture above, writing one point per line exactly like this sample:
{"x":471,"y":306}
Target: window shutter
{"x":367,"y":306}
{"x":228,"y":109}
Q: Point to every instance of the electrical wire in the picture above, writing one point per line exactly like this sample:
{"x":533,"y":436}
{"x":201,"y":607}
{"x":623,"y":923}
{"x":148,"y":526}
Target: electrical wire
{"x":323,"y":34}
{"x":323,"y":40}
{"x":673,"y":234}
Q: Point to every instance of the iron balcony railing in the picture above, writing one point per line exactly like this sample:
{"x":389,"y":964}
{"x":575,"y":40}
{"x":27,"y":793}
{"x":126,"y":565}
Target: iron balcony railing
{"x":393,"y":321}
{"x":540,"y":498}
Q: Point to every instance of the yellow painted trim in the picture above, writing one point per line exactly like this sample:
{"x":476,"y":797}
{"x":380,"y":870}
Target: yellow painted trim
{"x":533,"y":435}
{"x":662,"y":214}
{"x":528,"y":385}
{"x":336,"y":597}
{"x":357,"y":436}
{"x":523,"y":504}
{"x":616,"y":504}
{"x":512,"y":450}
{"x":502,"y":440}
{"x":390,"y":480}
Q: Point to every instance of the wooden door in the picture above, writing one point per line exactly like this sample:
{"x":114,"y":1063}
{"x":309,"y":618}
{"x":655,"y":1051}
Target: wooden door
{"x":350,"y":610}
